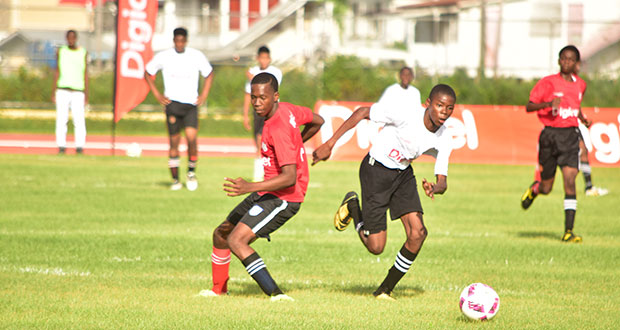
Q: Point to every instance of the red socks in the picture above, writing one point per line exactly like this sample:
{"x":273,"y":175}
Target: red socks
{"x":220,"y":262}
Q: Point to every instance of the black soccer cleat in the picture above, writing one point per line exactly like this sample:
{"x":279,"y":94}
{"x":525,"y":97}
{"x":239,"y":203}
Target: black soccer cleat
{"x":343,"y":216}
{"x":528,"y":197}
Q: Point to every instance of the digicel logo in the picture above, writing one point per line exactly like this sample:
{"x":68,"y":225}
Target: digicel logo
{"x":139,"y":33}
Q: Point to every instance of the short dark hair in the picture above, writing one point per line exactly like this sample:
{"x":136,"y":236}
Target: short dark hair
{"x":180,"y":32}
{"x":71,"y":31}
{"x":264,"y":78}
{"x":406,"y":68}
{"x":263,"y":49}
{"x":442,"y":89}
{"x":572,"y":48}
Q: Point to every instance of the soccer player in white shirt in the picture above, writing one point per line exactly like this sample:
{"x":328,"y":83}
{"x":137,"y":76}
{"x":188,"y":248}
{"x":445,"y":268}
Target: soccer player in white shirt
{"x":402,"y":92}
{"x":263,"y":57}
{"x":387,"y":178}
{"x":181,"y":67}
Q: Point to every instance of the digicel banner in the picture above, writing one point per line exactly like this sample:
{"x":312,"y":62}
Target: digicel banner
{"x":483,"y":134}
{"x":134,"y":32}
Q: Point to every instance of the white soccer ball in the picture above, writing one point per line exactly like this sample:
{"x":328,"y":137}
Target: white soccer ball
{"x":134,"y":150}
{"x":479,"y":302}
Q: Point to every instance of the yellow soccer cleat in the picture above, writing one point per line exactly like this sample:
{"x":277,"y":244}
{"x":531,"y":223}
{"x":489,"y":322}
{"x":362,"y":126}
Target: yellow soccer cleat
{"x":571,"y":237}
{"x":343,"y":216}
{"x":528,"y":197}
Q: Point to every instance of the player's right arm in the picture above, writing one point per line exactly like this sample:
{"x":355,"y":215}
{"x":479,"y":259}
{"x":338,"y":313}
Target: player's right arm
{"x":325,"y":150}
{"x":149,"y":75}
{"x":287,"y":178}
{"x":540,"y":95}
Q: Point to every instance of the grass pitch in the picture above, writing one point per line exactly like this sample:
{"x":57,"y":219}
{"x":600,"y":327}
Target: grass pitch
{"x":100,"y":242}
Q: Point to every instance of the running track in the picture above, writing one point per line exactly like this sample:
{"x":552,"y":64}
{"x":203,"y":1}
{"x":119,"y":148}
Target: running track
{"x":102,"y":145}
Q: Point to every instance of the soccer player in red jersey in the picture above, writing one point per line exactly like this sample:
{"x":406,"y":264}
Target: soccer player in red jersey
{"x":557,"y":101}
{"x":273,"y":201}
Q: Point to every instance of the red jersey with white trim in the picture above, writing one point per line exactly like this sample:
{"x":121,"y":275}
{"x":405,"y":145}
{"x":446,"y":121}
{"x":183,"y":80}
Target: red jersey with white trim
{"x":571,"y":93}
{"x":281,"y":144}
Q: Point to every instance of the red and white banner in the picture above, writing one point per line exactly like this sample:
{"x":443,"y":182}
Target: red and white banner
{"x":483,"y":134}
{"x":134,"y":33}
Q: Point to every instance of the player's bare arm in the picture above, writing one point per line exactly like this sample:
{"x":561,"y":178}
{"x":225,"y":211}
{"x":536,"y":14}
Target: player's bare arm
{"x":150,"y":80}
{"x":311,"y":128}
{"x":206,"y":87}
{"x":554,"y":104}
{"x":437,"y":188}
{"x":239,"y":186}
{"x":325,"y":150}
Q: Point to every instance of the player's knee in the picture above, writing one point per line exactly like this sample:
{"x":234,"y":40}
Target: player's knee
{"x":376,"y":250}
{"x":417,"y":235}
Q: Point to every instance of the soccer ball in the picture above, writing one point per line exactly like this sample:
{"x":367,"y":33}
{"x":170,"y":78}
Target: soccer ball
{"x":133,"y":150}
{"x":479,"y":302}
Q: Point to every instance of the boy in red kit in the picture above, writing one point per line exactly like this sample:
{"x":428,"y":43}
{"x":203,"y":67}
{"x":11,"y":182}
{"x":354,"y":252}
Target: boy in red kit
{"x":557,"y":101}
{"x":271,"y":202}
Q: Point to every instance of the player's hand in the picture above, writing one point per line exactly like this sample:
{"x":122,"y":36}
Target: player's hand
{"x":429,"y":188}
{"x":200,"y":100}
{"x":246,"y":123}
{"x":236,"y":187}
{"x":587,"y":122}
{"x":555,"y":103}
{"x":162,"y":99}
{"x":321,"y":153}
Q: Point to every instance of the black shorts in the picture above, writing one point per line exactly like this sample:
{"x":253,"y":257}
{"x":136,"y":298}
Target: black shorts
{"x":181,"y":115}
{"x":558,"y":146}
{"x":263,"y":214}
{"x":259,"y":122}
{"x":384,"y":188}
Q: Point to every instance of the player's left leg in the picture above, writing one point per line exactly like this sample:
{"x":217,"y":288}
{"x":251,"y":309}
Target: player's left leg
{"x":190,"y":122}
{"x":191,"y":134}
{"x":79,"y":120}
{"x":266,"y":215}
{"x":416,"y":234}
{"x":570,"y":204}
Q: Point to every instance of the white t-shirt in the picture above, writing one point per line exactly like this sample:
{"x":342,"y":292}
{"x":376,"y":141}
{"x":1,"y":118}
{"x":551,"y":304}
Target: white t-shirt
{"x":405,"y":138}
{"x":180,"y":72}
{"x":397,"y":96}
{"x":270,"y":69}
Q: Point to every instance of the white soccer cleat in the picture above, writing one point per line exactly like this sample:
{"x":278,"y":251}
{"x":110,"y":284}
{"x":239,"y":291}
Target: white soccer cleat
{"x":192,"y":181}
{"x":282,"y":297}
{"x":597,"y":191}
{"x":176,"y":185}
{"x":208,"y":294}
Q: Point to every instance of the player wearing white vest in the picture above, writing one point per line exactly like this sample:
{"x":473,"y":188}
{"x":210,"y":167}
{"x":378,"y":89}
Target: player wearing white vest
{"x":263,"y":57}
{"x":70,"y":91}
{"x":181,"y":67}
{"x":387,"y":178}
{"x":402,"y":92}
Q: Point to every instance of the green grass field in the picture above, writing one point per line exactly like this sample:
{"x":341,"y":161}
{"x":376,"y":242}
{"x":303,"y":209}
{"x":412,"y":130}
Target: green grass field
{"x":100,"y":242}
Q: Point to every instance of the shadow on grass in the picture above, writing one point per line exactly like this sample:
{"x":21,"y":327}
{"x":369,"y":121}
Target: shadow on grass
{"x":538,"y":234}
{"x":401,"y":291}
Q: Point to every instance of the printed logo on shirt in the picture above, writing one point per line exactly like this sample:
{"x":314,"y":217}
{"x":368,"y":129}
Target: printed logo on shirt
{"x":395,"y":155}
{"x":565,"y":112}
{"x":264,"y":147}
{"x":301,"y":154}
{"x":292,"y":120}
{"x":558,"y":94}
{"x":255,"y":210}
{"x":266,"y":161}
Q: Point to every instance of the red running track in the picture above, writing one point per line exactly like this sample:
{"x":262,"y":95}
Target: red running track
{"x":102,"y":145}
